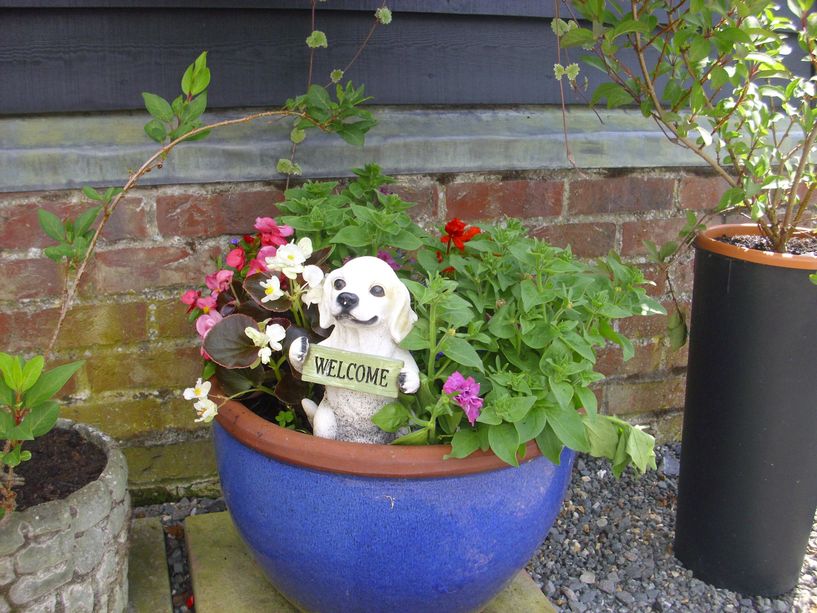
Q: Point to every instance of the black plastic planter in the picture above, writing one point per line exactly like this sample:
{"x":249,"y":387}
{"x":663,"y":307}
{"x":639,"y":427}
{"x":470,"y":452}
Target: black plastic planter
{"x":748,"y":482}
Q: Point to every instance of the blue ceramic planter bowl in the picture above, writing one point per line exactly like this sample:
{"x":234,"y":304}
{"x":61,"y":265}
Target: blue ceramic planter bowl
{"x":349,"y":527}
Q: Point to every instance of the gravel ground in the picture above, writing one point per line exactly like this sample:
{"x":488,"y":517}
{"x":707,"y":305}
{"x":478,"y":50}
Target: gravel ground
{"x":609,"y":550}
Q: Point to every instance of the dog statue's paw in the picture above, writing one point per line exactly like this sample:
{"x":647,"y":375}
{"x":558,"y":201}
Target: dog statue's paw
{"x":297,"y":352}
{"x":408,"y":380}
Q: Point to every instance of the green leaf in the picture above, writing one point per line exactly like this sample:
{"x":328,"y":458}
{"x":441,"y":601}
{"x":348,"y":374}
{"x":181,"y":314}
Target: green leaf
{"x":297,"y":135}
{"x":464,"y":443}
{"x":354,"y":236}
{"x":158,"y":107}
{"x":43,"y":417}
{"x":614,"y":94}
{"x":194,"y":76}
{"x":569,"y":427}
{"x":549,"y":444}
{"x":200,"y":81}
{"x":391,"y":417}
{"x":461,"y":352}
{"x":630,"y":25}
{"x":85,"y":219}
{"x":156,"y":130}
{"x":228,"y":345}
{"x":316,"y":39}
{"x":51,"y":225}
{"x":602,"y":435}
{"x":532,"y":424}
{"x":587,"y":399}
{"x":420,"y":437}
{"x":504,"y":442}
{"x":513,"y":408}
{"x":563,"y":392}
{"x":640,"y":447}
{"x":196,"y":107}
{"x":57,"y":252}
{"x":676,"y":330}
{"x":6,"y":396}
{"x":50,"y":383}
{"x":208,"y":370}
{"x":577,"y":37}
{"x":31,"y":372}
{"x":530,"y":294}
{"x":6,"y":423}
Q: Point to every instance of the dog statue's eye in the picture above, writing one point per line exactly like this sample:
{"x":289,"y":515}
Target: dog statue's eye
{"x":377,"y":291}
{"x":339,"y":284}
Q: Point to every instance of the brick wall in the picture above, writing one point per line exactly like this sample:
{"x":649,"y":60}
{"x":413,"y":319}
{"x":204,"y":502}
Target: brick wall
{"x":141,"y":352}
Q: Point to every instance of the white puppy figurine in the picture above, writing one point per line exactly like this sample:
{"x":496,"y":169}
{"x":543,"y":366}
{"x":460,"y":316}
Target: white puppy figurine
{"x":371,"y":312}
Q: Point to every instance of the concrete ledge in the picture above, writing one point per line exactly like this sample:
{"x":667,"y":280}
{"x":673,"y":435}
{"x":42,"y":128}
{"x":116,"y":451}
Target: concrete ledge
{"x":68,"y":151}
{"x":226,"y":578}
{"x":147,"y":574}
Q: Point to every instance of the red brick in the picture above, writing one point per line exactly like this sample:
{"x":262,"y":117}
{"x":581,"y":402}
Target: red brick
{"x":648,"y":359}
{"x":154,"y":369}
{"x":634,"y":397}
{"x":525,"y":199}
{"x":134,"y":269}
{"x":649,"y":326}
{"x":424,"y":197}
{"x":84,"y":326}
{"x":30,"y":278}
{"x":587,"y":240}
{"x":614,"y":195}
{"x":659,"y":231}
{"x":170,"y":320}
{"x":20,"y":227}
{"x":203,"y":215}
{"x":701,"y":193}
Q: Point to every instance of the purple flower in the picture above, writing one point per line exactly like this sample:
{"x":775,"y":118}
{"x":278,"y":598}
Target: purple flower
{"x":466,"y":394}
{"x":387,"y":257}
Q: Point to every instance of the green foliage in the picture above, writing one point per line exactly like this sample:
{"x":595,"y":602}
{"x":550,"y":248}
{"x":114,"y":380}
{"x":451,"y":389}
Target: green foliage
{"x":713,"y":75}
{"x":27,"y":411}
{"x":341,"y":116}
{"x":172,"y":120}
{"x":73,"y":236}
{"x":316,"y":39}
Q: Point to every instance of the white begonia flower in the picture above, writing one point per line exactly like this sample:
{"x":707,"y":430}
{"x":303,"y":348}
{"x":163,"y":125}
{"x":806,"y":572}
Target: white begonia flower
{"x":206,"y":409}
{"x":290,"y":258}
{"x":268,"y":341}
{"x":272,"y":289}
{"x":199,"y":391}
{"x":314,"y":281}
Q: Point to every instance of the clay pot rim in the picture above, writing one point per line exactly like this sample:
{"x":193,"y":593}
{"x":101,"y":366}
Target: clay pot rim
{"x":706,"y":241}
{"x":359,"y":459}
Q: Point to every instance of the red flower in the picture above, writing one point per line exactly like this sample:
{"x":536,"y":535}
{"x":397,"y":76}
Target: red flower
{"x":458,"y":233}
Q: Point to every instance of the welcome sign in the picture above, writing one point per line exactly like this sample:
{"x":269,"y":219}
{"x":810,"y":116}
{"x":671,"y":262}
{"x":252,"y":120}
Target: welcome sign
{"x":355,"y":371}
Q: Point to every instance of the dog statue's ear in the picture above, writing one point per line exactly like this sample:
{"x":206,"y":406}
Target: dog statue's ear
{"x":324,"y":312}
{"x":403,"y":317}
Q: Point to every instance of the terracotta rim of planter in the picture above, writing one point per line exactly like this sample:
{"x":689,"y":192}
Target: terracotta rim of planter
{"x":353,"y":458}
{"x":706,"y":240}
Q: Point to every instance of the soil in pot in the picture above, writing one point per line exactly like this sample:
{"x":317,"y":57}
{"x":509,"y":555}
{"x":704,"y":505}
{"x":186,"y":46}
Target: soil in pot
{"x":62,"y":462}
{"x":799,"y":245}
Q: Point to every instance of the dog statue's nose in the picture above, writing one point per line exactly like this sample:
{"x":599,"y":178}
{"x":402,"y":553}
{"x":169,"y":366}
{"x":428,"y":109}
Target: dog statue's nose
{"x":347,"y":300}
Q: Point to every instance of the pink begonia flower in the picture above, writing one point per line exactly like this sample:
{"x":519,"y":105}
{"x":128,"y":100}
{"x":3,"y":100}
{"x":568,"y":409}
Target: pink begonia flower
{"x":387,"y":257}
{"x":190,"y":297}
{"x":205,"y":323}
{"x":219,"y":281}
{"x":271,"y":232}
{"x":206,"y":304}
{"x":467,"y":394}
{"x":236,"y":258}
{"x":256,"y":265}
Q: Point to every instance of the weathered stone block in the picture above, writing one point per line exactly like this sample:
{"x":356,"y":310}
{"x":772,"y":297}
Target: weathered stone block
{"x":105,"y":571}
{"x":7,"y":574}
{"x":89,"y":550}
{"x":116,"y":520}
{"x":115,"y":476}
{"x":11,"y":539}
{"x":35,"y":556}
{"x":90,"y":505}
{"x":78,"y":598}
{"x":44,"y":605}
{"x":46,"y":517}
{"x":5,"y":607}
{"x":32,"y":587}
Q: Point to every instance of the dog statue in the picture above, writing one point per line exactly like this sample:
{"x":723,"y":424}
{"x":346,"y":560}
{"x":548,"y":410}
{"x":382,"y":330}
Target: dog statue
{"x":370,"y":310}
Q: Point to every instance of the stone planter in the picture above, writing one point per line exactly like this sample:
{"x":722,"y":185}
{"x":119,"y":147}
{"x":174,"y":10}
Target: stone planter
{"x":71,"y":554}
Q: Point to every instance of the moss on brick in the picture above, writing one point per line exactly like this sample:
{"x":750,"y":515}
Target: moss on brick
{"x":155,"y":369}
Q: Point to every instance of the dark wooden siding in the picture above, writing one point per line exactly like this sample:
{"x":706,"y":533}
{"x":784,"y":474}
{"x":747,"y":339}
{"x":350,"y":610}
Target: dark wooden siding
{"x":81,"y":55}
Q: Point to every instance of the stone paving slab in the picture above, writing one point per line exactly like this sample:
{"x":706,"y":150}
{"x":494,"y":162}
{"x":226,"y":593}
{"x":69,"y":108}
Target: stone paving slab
{"x":226,"y":578}
{"x":149,"y":583}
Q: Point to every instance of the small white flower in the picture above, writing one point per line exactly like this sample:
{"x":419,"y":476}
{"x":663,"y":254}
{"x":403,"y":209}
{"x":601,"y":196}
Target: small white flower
{"x":290,"y":258}
{"x":199,"y":391}
{"x":272,"y":289}
{"x":275,"y":334}
{"x":267,"y":341}
{"x":314,"y":281}
{"x":206,"y":409}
